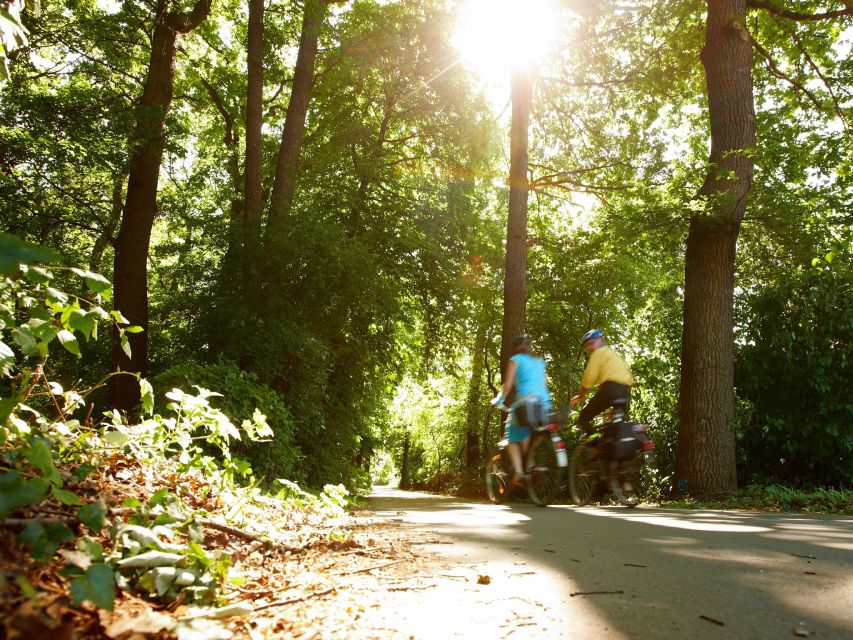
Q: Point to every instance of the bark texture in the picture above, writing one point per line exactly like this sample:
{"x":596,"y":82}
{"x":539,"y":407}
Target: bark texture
{"x":287,"y":163}
{"x":515,"y":287}
{"x":705,"y":459}
{"x":140,"y":208}
{"x":254,"y":115}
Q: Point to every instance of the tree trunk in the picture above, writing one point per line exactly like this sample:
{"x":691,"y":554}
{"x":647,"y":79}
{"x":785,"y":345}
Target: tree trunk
{"x":254,"y":116}
{"x":515,"y":290}
{"x":107,"y":232}
{"x":405,"y":473}
{"x":287,"y":163}
{"x":140,"y":209}
{"x":475,"y":399}
{"x":706,"y":446}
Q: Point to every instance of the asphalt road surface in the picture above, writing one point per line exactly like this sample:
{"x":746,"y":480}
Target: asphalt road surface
{"x":517,"y":571}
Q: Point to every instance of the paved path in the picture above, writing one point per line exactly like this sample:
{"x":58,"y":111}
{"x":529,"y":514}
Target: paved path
{"x":659,"y":573}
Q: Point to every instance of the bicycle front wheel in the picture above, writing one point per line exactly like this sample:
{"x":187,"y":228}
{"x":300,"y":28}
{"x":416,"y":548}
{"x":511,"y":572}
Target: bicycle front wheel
{"x":583,"y":479}
{"x":544,"y":476}
{"x":496,"y":477}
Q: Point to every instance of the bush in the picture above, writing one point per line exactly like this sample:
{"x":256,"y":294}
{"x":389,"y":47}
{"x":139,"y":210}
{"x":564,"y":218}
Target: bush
{"x":242,"y":394}
{"x":793,"y":374}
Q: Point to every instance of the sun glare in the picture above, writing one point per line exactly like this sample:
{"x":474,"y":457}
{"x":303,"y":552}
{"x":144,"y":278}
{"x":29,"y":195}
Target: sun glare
{"x":496,"y":36}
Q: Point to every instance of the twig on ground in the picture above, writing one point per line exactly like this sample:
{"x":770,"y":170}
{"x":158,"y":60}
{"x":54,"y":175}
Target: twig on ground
{"x":281,"y":603}
{"x":715,"y":621}
{"x":413,"y":588}
{"x":594,"y":593}
{"x":366,"y":569}
{"x":20,"y":523}
{"x":799,"y":555}
{"x":629,"y":564}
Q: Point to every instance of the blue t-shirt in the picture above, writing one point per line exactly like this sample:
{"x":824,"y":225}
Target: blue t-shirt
{"x":530,"y":377}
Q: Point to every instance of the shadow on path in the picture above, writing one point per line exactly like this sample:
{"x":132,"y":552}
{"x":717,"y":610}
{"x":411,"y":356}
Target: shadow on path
{"x":665,"y":574}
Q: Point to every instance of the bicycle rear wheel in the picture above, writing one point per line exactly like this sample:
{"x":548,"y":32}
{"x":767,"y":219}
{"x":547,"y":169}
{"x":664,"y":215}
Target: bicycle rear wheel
{"x":625,"y":483}
{"x":497,"y":478}
{"x":544,"y":478}
{"x":583,"y":478}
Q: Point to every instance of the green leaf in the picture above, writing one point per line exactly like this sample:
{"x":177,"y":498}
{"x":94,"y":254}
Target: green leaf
{"x":14,"y":251}
{"x":16,"y":493}
{"x":66,"y":497}
{"x":7,"y":357}
{"x":40,"y":457}
{"x":146,"y":396}
{"x":96,"y":585}
{"x":117,"y":438}
{"x":7,"y":406}
{"x":83,"y":321}
{"x":37,"y":275}
{"x":96,"y":282}
{"x":69,"y":341}
{"x":151,"y":559}
{"x":44,"y":541}
{"x":134,"y":328}
{"x":125,"y":344}
{"x":93,"y":515}
{"x":25,"y":339}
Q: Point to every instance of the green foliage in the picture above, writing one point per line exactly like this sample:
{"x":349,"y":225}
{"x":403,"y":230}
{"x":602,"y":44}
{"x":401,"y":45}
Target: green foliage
{"x":774,"y":497}
{"x":242,"y":394}
{"x":794,"y":366}
{"x":198,"y":436}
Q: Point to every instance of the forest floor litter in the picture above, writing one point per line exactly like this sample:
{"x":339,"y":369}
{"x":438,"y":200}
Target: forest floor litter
{"x":293,"y":574}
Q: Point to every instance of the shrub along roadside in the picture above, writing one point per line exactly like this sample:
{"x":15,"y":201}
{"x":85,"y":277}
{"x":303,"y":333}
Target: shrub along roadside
{"x":57,"y":499}
{"x":242,"y":395}
{"x":772,"y":497}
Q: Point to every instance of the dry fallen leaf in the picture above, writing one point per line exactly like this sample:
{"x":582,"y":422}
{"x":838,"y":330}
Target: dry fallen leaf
{"x":134,"y":619}
{"x":484,"y":580}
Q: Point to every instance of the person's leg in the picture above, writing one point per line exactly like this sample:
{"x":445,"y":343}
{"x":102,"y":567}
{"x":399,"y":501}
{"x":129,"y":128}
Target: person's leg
{"x":600,"y":401}
{"x":517,"y":436}
{"x":514,"y":449}
{"x":618,"y":396}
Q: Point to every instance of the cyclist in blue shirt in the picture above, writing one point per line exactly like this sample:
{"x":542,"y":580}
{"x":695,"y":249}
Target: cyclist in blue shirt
{"x":526,"y":373}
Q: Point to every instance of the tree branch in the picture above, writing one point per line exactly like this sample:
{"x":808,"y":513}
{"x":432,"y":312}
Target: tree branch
{"x":776,"y":71}
{"x":820,"y":75}
{"x":800,"y":17}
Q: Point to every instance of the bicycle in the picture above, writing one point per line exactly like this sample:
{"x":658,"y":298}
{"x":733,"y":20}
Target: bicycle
{"x":545,"y":464}
{"x":610,"y":460}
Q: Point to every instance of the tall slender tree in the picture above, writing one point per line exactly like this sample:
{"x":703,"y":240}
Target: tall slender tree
{"x":515,"y":289}
{"x":287,"y":163}
{"x":254,"y":115}
{"x":140,"y":209}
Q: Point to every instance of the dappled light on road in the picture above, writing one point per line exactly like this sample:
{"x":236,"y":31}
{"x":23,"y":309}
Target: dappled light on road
{"x":610,"y":572}
{"x":721,"y":524}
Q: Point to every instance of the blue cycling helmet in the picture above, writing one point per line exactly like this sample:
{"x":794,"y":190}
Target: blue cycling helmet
{"x":592,"y":333}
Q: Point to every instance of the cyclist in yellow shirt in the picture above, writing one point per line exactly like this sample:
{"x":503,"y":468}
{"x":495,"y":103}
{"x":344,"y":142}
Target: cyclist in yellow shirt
{"x":605,"y":370}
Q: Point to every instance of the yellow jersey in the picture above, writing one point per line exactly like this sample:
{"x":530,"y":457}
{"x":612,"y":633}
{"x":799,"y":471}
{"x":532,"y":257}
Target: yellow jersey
{"x":605,"y":365}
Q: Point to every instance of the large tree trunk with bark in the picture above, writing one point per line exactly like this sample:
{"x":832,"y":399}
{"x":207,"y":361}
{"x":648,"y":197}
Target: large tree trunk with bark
{"x":140,"y":209}
{"x":287,"y":163}
{"x":705,"y":460}
{"x":515,"y":289}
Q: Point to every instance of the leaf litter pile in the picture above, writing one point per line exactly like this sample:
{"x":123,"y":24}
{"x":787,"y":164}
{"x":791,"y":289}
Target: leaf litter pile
{"x":177,"y":558}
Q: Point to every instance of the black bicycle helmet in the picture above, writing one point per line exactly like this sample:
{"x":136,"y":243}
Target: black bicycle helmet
{"x":521,"y":344}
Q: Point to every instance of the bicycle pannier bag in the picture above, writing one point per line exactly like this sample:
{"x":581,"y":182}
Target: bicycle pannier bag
{"x":530,"y":412}
{"x":620,"y":437}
